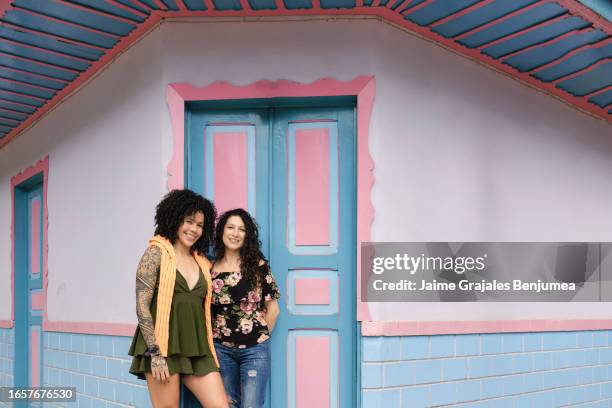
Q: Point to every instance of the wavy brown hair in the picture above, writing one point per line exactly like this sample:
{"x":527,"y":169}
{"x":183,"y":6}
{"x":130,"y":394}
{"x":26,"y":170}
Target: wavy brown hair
{"x":250,"y":252}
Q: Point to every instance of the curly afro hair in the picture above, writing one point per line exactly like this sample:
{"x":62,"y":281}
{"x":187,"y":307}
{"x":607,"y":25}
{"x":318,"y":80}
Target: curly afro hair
{"x":178,"y":204}
{"x":250,"y":252}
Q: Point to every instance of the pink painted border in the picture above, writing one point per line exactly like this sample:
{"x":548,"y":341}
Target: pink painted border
{"x":500,"y":326}
{"x":363,"y":87}
{"x":41,"y":167}
{"x":109,"y":329}
{"x":118,"y":329}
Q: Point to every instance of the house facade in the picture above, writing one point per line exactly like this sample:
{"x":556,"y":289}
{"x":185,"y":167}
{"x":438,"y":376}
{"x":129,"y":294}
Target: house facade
{"x":333,"y":129}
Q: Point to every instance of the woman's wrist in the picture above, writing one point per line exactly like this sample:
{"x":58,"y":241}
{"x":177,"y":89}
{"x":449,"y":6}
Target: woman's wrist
{"x":152,"y":351}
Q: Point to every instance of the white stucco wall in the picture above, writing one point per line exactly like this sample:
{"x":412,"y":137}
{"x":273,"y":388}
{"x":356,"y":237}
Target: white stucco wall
{"x":462,"y":154}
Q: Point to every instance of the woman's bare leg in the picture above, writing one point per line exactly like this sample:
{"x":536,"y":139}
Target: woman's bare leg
{"x":208,"y":389}
{"x":164,"y":395}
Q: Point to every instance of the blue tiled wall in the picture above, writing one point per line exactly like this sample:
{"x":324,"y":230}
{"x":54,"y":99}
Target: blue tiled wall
{"x":7,"y":352}
{"x":488,"y":370}
{"x":97,"y":366}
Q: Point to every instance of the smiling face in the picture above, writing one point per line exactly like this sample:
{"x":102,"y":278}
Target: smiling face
{"x":191,"y":229}
{"x":234,"y":233}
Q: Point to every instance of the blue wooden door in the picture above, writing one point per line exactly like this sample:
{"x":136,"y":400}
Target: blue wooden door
{"x":313,"y":252}
{"x":294,"y":169}
{"x":29,"y":297}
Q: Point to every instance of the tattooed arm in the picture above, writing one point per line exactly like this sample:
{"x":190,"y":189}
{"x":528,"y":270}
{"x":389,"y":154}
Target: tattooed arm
{"x":146,"y":277}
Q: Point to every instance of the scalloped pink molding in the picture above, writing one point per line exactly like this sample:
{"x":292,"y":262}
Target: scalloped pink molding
{"x":363,"y":87}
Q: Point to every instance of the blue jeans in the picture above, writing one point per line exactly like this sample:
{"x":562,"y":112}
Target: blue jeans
{"x":245,"y":373}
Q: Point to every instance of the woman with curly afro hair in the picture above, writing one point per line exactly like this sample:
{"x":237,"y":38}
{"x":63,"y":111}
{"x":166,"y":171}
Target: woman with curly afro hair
{"x":245,"y":309}
{"x":173,"y":340}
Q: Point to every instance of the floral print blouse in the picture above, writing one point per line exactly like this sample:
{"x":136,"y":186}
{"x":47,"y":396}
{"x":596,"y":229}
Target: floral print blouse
{"x":238,"y":309}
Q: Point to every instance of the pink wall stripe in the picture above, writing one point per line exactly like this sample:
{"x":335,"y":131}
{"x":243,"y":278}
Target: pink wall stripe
{"x":231,"y":173}
{"x":38,"y":301}
{"x":312,"y":291}
{"x":312,"y":187}
{"x":312,"y":371}
{"x":35,"y":237}
{"x":111,"y":329}
{"x":35,"y":358}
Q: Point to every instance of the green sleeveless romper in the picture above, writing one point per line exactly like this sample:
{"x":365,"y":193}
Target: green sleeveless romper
{"x":188,"y":350}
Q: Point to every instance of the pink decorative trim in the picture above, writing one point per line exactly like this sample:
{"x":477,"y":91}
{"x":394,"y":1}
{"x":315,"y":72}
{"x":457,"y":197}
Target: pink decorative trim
{"x":502,"y":326}
{"x":41,"y":167}
{"x":363,"y":87}
{"x":365,"y":181}
{"x":109,"y":329}
{"x":312,"y":187}
{"x":267,"y":89}
{"x":176,"y":104}
{"x":6,"y":324}
{"x":312,"y":369}
{"x":312,"y":291}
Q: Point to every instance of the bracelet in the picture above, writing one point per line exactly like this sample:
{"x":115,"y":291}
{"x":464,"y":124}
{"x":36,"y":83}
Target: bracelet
{"x":152,"y":351}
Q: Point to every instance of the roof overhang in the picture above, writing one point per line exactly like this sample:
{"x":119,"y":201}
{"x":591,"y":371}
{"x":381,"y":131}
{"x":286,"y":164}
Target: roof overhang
{"x":50,"y":48}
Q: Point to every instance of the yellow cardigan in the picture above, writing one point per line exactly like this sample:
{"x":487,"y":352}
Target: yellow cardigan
{"x":167,"y":277}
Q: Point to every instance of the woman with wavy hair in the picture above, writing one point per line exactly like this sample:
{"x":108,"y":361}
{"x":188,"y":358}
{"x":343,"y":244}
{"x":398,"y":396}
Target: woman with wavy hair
{"x":173,"y":340}
{"x":245,"y":309}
